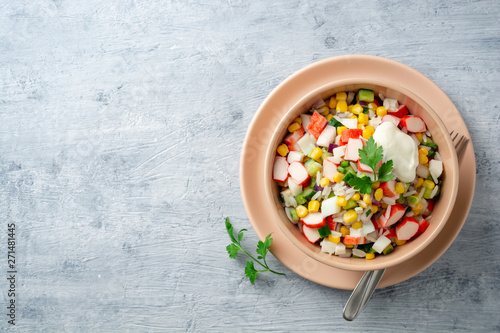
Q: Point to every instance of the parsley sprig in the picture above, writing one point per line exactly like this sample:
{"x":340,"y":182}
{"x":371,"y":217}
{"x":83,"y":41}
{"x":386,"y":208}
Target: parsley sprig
{"x":262,"y":251}
{"x":371,"y":155}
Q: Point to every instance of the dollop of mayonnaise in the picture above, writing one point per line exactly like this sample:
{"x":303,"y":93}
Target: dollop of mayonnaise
{"x":400,"y":148}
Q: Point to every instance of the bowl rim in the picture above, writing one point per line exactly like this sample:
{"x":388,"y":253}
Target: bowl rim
{"x":360,"y":265}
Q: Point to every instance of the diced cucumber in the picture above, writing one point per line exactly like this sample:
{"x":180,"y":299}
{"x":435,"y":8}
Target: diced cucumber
{"x":331,"y":195}
{"x":344,"y":164}
{"x":412,"y":199}
{"x":388,"y":249}
{"x":324,"y":156}
{"x":324,"y":231}
{"x":401,"y":199}
{"x":312,"y":167}
{"x":366,"y":95}
{"x":350,"y":204}
{"x":335,"y":123}
{"x":308,"y":193}
{"x":348,"y":176}
{"x":432,"y":153}
{"x":313,"y":183}
{"x":300,"y":199}
{"x":428,"y":193}
{"x":293,"y":214}
{"x":350,"y":169}
{"x":341,"y":169}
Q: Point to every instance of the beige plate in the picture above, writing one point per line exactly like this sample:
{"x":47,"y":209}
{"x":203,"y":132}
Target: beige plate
{"x":288,"y":93}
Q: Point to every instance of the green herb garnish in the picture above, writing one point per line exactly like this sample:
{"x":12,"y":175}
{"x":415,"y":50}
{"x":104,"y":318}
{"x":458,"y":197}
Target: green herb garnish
{"x":371,"y":155}
{"x":262,"y":251}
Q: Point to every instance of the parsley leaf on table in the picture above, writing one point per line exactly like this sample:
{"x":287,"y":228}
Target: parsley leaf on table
{"x":262,"y":250}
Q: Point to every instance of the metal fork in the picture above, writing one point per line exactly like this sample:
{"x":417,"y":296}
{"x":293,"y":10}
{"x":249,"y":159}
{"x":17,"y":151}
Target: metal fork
{"x":368,"y":283}
{"x":459,"y":148}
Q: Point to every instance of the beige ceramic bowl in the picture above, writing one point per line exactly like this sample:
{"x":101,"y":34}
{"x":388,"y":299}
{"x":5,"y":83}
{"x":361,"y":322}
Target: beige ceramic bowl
{"x":444,"y":204}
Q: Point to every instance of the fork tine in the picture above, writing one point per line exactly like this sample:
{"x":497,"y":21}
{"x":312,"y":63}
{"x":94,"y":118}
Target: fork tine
{"x":459,"y":141}
{"x":460,"y":151}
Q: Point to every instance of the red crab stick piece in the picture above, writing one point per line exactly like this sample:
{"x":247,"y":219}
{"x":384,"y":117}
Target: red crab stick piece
{"x":423,"y":226}
{"x":314,"y":220}
{"x":311,"y":234}
{"x":389,"y":188}
{"x":402,"y":111}
{"x":413,"y":124}
{"x":280,"y":169}
{"x":407,"y":228}
{"x":298,"y":172}
{"x":395,"y":213}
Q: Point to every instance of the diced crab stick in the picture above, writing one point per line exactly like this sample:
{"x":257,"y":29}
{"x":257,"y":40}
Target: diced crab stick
{"x":317,"y":124}
{"x":392,"y":119}
{"x":298,"y":172}
{"x":348,"y":239}
{"x":327,"y":136}
{"x":313,"y":220}
{"x":395,"y":211}
{"x":389,"y":188}
{"x":423,"y":225}
{"x":311,"y":234}
{"x":352,"y":149}
{"x":402,"y":111}
{"x":413,"y":124}
{"x":364,"y":168}
{"x":292,"y":138}
{"x":331,"y":223}
{"x":389,"y":233}
{"x":329,"y":168}
{"x":407,"y":228}
{"x":280,"y":169}
{"x":430,"y":207}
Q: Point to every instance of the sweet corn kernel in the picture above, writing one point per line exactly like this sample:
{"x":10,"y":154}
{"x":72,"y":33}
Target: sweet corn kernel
{"x":384,"y":205}
{"x":379,"y":193}
{"x":419,"y":136}
{"x":353,"y":117}
{"x":423,"y":151}
{"x":282,"y":150}
{"x":360,"y":126}
{"x":367,"y":199}
{"x":356,"y":196}
{"x":400,"y":188}
{"x":324,"y":182}
{"x":419,"y":182}
{"x":376,"y":185}
{"x":341,"y":201}
{"x":349,"y":246}
{"x":372,"y":106}
{"x":344,"y":231}
{"x":422,"y":159}
{"x":367,"y":134}
{"x":316,"y":153}
{"x":363,"y":118}
{"x":374,"y":209}
{"x":362,"y":205}
{"x":306,"y":158}
{"x":357,"y":109}
{"x":338,"y":177}
{"x":357,"y":225}
{"x":349,"y":108}
{"x":350,"y":216}
{"x":301,"y":211}
{"x":369,"y":127}
{"x":341,"y":106}
{"x":329,"y":117}
{"x":333,"y":103}
{"x":324,"y":111}
{"x":426,"y":165}
{"x":370,"y":256}
{"x":293,"y":127}
{"x":313,"y":206}
{"x":340,"y":129}
{"x":381,"y":111}
{"x":334,"y":239}
{"x":298,"y":120}
{"x":399,"y":242}
{"x":341,"y":96}
{"x":429,"y":184}
{"x":418,"y":207}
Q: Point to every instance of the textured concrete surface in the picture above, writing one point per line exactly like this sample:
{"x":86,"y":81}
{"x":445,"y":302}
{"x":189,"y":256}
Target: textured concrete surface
{"x":120,"y":132}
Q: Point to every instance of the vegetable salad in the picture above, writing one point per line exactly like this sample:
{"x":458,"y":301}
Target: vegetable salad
{"x":358,"y":174}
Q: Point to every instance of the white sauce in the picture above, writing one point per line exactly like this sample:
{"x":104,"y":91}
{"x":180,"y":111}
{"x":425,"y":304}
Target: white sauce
{"x":400,"y":148}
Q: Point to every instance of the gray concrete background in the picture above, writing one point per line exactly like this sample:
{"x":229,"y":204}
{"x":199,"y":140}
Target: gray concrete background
{"x":120,"y":132}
